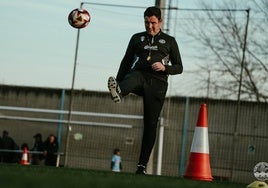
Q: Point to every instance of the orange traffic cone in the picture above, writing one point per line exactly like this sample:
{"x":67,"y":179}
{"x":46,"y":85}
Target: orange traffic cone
{"x":24,"y":158}
{"x":198,"y":167}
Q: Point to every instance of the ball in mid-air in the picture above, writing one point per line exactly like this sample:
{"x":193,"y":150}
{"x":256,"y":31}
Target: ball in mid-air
{"x":79,"y":18}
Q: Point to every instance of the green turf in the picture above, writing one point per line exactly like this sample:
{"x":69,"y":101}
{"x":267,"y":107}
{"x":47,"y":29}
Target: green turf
{"x":13,"y":176}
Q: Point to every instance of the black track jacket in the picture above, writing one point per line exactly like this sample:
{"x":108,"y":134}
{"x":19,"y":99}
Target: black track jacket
{"x":160,"y":48}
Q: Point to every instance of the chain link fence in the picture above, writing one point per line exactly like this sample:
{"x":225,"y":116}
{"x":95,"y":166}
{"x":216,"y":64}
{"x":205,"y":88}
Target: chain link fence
{"x":237,"y":141}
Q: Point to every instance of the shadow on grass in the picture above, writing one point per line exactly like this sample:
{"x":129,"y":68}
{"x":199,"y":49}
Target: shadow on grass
{"x":14,"y":176}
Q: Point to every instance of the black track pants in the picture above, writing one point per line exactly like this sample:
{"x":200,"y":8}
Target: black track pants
{"x":153,"y":91}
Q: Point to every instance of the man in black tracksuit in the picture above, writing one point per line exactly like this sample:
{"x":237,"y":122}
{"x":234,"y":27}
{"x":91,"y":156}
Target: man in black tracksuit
{"x":144,"y":71}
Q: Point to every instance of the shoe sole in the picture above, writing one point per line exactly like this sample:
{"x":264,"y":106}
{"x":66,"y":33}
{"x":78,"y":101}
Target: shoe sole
{"x":114,"y":89}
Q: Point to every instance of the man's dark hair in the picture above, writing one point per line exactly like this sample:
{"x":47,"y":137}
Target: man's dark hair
{"x":153,"y":11}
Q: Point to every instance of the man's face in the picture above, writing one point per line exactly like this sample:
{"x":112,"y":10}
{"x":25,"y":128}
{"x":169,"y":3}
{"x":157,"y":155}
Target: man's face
{"x":152,"y":25}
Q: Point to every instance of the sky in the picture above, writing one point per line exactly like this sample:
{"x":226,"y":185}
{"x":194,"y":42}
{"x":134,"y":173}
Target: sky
{"x":38,"y":44}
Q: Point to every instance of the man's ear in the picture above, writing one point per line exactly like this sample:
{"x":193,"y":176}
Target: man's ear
{"x":160,"y":22}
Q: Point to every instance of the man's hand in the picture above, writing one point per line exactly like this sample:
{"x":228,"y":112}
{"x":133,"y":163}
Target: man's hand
{"x":158,"y":66}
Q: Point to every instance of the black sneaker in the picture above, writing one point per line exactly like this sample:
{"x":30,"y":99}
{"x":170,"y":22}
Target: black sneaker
{"x":114,"y":89}
{"x":141,"y":170}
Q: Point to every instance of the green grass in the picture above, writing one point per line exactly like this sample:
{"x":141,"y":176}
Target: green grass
{"x":13,"y":176}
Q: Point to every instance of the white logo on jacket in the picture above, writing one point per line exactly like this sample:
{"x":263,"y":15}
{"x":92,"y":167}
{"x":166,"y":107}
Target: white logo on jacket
{"x":148,"y":47}
{"x":162,"y":41}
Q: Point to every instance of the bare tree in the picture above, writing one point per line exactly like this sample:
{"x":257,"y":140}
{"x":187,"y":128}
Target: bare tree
{"x":222,"y":37}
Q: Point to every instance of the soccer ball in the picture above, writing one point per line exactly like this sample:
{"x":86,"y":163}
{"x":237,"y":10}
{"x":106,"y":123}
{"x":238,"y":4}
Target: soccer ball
{"x":79,"y":18}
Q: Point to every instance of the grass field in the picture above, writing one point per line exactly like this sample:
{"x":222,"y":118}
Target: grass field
{"x":13,"y":176}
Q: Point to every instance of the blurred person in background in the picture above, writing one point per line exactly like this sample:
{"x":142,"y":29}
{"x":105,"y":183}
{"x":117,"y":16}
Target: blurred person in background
{"x":8,"y":143}
{"x":1,"y":147}
{"x":116,"y":162}
{"x":50,"y":150}
{"x":37,"y":147}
